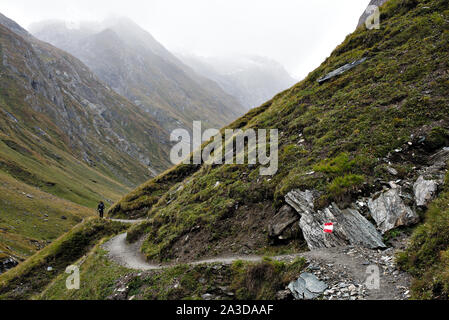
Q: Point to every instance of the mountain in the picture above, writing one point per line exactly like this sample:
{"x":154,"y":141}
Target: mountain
{"x":373,"y":134}
{"x":135,"y":65}
{"x":363,"y":150}
{"x":66,"y":141}
{"x":251,"y":79}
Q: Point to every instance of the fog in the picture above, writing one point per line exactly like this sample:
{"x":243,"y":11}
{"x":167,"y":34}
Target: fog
{"x":299,"y":34}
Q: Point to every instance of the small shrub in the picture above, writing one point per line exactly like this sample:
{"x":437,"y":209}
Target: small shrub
{"x":335,"y":166}
{"x":345,"y":184}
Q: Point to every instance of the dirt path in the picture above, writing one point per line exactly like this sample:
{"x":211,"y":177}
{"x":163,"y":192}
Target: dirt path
{"x":129,"y":255}
{"x":128,"y":221}
{"x":344,"y":269}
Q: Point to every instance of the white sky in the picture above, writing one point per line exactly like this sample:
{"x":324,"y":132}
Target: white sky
{"x":299,"y":34}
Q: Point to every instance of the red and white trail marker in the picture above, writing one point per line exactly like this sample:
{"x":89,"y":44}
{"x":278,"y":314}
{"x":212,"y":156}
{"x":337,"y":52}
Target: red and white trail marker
{"x":328,"y":227}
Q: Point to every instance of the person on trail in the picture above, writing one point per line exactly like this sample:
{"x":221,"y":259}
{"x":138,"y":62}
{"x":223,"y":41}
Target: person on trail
{"x":101,"y":209}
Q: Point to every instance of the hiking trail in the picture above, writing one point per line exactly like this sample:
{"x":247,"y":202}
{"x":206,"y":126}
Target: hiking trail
{"x":340,"y":267}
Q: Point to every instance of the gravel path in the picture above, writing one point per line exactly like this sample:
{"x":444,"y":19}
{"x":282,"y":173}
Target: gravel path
{"x":129,"y":221}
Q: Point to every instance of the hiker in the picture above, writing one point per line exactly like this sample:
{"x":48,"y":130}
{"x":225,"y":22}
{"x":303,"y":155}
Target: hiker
{"x":101,"y":209}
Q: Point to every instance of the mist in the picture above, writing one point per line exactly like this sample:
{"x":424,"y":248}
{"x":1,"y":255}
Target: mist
{"x":296,"y":33}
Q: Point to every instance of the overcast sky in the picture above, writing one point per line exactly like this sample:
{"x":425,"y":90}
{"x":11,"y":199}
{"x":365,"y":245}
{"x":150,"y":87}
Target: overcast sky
{"x":299,"y":34}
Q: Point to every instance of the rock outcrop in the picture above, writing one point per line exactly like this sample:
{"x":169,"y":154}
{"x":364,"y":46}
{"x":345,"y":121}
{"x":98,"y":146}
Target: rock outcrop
{"x":281,"y":226}
{"x":341,"y":70}
{"x":307,"y":286}
{"x":424,"y":191}
{"x":350,"y":227}
{"x":389,"y":210}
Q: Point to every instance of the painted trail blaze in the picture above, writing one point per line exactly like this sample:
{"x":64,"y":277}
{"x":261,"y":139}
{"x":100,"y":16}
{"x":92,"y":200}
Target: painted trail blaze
{"x":328,"y":227}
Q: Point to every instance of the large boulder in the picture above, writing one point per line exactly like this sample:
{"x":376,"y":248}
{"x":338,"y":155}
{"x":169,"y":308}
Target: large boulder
{"x":389,"y":210}
{"x":350,"y":227}
{"x":424,"y":191}
{"x":307,"y":286}
{"x":282,"y":224}
{"x":301,"y":201}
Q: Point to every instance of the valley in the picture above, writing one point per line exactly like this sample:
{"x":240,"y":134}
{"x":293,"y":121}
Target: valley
{"x":362,"y":151}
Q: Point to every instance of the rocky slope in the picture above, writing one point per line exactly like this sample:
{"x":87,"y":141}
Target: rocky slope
{"x":138,"y":67}
{"x":93,"y":118}
{"x":362,"y":143}
{"x":251,"y":79}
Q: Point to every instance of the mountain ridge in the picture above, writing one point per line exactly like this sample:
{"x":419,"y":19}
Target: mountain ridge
{"x":140,"y":68}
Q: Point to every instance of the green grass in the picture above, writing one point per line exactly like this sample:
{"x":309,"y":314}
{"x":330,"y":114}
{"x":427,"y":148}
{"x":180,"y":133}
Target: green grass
{"x":29,"y":223}
{"x":31,"y":276}
{"x":262,"y":280}
{"x":98,"y":275}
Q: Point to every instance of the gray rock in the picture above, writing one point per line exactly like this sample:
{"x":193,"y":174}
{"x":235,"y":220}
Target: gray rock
{"x":424,"y":191}
{"x":341,"y":70}
{"x":312,"y":283}
{"x":301,"y":201}
{"x":389,"y":211}
{"x":307,"y":286}
{"x":393,"y":171}
{"x":207,"y":296}
{"x":350,"y":227}
{"x":281,"y":223}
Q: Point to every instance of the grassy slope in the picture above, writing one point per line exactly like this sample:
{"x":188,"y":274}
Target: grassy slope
{"x":349,"y":124}
{"x":93,"y":135}
{"x":139,"y":201}
{"x":31,"y":276}
{"x":27,"y":224}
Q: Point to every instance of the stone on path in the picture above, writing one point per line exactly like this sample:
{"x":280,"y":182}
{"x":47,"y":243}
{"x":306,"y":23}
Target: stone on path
{"x":307,"y":286}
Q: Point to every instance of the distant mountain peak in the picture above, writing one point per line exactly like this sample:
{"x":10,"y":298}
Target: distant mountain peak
{"x":132,"y":62}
